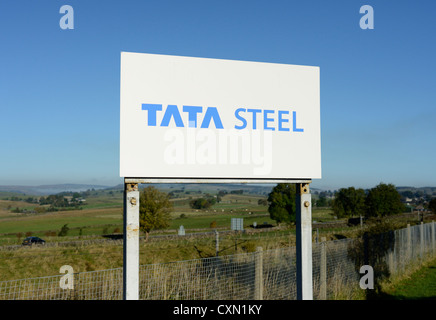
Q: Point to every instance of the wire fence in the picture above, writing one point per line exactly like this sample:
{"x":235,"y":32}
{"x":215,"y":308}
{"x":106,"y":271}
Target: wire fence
{"x":269,"y":274}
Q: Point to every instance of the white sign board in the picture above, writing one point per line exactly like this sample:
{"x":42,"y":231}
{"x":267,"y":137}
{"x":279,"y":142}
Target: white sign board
{"x":184,"y":117}
{"x":237,"y":224}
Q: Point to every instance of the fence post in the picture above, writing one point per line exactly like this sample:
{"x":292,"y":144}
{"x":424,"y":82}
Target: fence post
{"x":258,"y":278}
{"x":391,"y":262}
{"x":323,"y":271}
{"x":409,"y":244}
{"x":395,"y":251}
{"x":433,"y":237}
{"x":217,"y":243}
{"x":421,"y":240}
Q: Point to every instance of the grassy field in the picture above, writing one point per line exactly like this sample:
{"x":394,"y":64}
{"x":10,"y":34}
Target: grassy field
{"x":103,"y":211}
{"x":41,"y":261}
{"x":90,"y":220}
{"x":102,"y":215}
{"x":421,"y":285}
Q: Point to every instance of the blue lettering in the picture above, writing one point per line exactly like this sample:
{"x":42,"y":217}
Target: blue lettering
{"x":192,"y":115}
{"x":151,"y":108}
{"x":254,"y":112}
{"x":244,"y":122}
{"x":295,"y":129}
{"x":266,"y":120}
{"x":172,"y":112}
{"x":281,"y":120}
{"x":212,"y":112}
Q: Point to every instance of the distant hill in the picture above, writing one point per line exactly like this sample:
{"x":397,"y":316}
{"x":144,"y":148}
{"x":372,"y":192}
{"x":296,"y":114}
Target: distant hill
{"x":425,"y":190}
{"x":215,"y":187}
{"x":259,"y":189}
{"x":50,"y":189}
{"x":204,"y":187}
{"x":43,"y":190}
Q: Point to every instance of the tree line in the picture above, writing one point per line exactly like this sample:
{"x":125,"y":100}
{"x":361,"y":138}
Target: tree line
{"x":58,"y":200}
{"x":380,"y":201}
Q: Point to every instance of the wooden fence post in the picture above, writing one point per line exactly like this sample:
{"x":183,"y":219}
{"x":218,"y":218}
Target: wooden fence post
{"x":409,"y":243}
{"x":323,"y":271}
{"x":421,"y":236}
{"x":217,"y":243}
{"x":258,"y":278}
{"x":433,"y":237}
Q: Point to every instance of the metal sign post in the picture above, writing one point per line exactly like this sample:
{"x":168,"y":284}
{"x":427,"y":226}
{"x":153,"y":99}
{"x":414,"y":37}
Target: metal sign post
{"x":131,"y":242}
{"x":304,"y":242}
{"x":131,"y":232}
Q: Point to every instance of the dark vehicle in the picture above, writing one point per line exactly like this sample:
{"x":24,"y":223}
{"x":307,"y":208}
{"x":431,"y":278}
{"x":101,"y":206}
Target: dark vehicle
{"x":32,"y":240}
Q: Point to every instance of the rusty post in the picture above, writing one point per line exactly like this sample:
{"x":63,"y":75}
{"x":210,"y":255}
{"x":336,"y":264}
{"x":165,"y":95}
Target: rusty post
{"x":131,"y":242}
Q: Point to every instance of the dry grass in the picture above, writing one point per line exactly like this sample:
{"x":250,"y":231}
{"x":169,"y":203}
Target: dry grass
{"x":30,"y":262}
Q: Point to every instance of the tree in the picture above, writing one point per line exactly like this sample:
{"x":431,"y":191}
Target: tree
{"x":383,"y":200}
{"x":282,"y":206}
{"x":262,"y":202}
{"x":349,"y":202}
{"x":407,"y":194}
{"x":321,"y":202}
{"x":370,"y":247}
{"x":64,"y":230}
{"x":222,"y":193}
{"x":154,"y":210}
{"x":29,"y":200}
{"x":237,"y":191}
{"x":432,"y":205}
{"x":202,"y":203}
{"x":39,"y":209}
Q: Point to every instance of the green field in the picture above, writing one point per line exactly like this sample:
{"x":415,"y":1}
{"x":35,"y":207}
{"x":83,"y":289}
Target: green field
{"x":103,"y":214}
{"x":421,"y":285}
{"x":105,"y":210}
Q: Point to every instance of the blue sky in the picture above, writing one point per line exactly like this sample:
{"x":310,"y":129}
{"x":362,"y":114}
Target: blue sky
{"x":59,"y":89}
